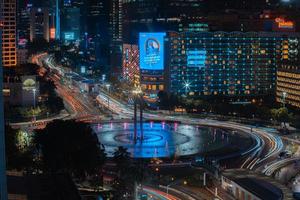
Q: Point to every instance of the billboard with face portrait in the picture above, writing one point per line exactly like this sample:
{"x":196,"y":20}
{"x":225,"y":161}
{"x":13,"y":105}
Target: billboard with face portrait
{"x":151,"y":47}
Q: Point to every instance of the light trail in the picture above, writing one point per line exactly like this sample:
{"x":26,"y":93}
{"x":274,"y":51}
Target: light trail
{"x":266,"y":147}
{"x":159,"y":194}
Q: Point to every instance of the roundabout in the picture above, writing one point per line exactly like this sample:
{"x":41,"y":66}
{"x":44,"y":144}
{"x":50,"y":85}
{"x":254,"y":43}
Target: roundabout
{"x":162,"y":140}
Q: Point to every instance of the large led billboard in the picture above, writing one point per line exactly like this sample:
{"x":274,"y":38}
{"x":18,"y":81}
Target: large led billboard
{"x":196,"y":58}
{"x":69,"y":35}
{"x":151,"y":51}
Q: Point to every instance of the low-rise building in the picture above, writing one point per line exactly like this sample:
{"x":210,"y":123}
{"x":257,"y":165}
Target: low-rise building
{"x":247,"y":185}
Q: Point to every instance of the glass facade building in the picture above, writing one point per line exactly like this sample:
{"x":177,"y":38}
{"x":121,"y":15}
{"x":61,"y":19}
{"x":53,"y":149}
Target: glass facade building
{"x":131,"y":64}
{"x":226,"y":64}
{"x":70,"y":24}
{"x":8,"y":15}
{"x":288,"y":74}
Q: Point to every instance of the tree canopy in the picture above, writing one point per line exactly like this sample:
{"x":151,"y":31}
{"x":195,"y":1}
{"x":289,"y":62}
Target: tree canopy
{"x":70,"y":147}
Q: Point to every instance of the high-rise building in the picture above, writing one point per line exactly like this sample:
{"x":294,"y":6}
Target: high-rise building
{"x":57,"y":19}
{"x":70,"y":24}
{"x":116,"y":31}
{"x":98,"y":18}
{"x":39,"y":24}
{"x":288,"y":73}
{"x":131,"y":64}
{"x":23,"y":23}
{"x":3,"y":187}
{"x":152,"y":63}
{"x":158,"y":15}
{"x":9,"y":53}
{"x":116,"y":20}
{"x":98,"y":30}
{"x":237,"y":64}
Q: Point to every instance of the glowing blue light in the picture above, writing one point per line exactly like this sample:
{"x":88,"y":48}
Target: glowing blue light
{"x":151,"y":51}
{"x":196,"y":58}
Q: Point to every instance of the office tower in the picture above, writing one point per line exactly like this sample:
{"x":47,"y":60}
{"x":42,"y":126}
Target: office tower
{"x":116,"y":30}
{"x":23,"y":23}
{"x":98,"y":30}
{"x":288,"y":73}
{"x":98,"y":17}
{"x":241,"y":65}
{"x":3,"y":187}
{"x":39,"y":24}
{"x":9,"y":54}
{"x":116,"y":19}
{"x":159,"y":16}
{"x":70,"y":24}
{"x":57,"y":21}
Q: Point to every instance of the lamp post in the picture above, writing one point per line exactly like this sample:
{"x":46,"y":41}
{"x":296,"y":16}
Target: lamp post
{"x":284,"y":95}
{"x":174,"y":183}
{"x":108,"y":89}
{"x":34,"y":103}
{"x":34,"y":97}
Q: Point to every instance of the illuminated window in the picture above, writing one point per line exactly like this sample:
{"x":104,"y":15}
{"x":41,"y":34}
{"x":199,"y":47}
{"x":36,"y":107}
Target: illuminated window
{"x":161,"y":87}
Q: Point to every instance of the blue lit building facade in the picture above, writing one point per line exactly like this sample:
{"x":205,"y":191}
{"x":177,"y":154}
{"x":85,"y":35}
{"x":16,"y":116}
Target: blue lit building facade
{"x":226,"y":64}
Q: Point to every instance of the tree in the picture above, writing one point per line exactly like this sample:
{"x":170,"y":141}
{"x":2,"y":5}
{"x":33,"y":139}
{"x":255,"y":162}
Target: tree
{"x":129,"y":172}
{"x":122,"y":184}
{"x":17,"y":157}
{"x":122,"y":159}
{"x":55,"y":104}
{"x":281,"y":115}
{"x":69,"y":147}
{"x":48,"y":87}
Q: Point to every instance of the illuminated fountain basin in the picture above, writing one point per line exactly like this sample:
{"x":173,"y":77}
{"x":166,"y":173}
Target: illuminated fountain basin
{"x":167,"y":139}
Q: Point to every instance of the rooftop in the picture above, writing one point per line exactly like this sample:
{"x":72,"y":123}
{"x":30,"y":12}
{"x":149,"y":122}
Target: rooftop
{"x":260,"y":185}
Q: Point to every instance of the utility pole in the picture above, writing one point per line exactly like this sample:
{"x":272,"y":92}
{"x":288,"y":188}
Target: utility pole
{"x":135,"y":120}
{"x":141,"y":117}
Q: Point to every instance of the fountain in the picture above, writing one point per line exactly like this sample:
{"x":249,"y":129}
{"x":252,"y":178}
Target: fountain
{"x":160,"y":139}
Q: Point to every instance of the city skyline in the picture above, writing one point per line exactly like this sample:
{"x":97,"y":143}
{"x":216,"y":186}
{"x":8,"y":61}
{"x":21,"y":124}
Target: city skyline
{"x":150,"y":99}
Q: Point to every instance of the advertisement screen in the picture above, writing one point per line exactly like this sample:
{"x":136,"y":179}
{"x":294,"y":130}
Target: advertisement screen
{"x":69,"y":35}
{"x":196,"y":58}
{"x":152,"y":51}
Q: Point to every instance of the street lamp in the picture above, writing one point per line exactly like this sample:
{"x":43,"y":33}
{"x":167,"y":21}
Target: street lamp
{"x":108,"y":89}
{"x":284,"y":95}
{"x":34,"y":97}
{"x":34,"y":103}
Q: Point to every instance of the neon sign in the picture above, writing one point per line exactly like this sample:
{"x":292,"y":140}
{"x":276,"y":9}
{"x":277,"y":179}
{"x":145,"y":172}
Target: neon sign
{"x":52,"y":33}
{"x":284,"y":24}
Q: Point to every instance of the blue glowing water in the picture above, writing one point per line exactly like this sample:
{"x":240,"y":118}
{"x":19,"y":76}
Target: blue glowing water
{"x":158,"y":140}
